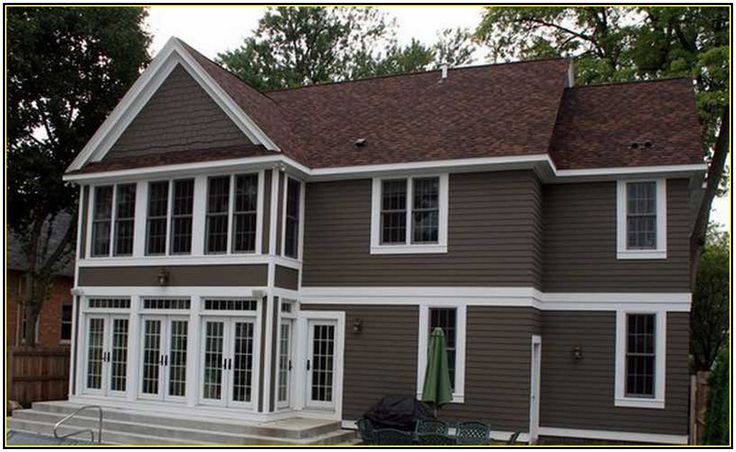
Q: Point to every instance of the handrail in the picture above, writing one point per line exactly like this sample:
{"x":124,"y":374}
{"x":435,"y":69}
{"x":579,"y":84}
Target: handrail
{"x":91,"y":432}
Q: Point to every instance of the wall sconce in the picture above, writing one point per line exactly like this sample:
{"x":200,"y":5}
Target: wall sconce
{"x":577,"y":353}
{"x":357,"y":326}
{"x":163,"y":277}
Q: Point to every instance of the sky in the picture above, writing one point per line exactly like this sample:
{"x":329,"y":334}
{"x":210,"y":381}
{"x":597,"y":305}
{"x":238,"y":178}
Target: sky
{"x":214,"y":29}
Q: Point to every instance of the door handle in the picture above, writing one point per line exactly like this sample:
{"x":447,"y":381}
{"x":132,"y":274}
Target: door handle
{"x":104,"y":357}
{"x":307,"y":364}
{"x":224,"y":364}
{"x":289,"y":365}
{"x":166,"y":360}
{"x":229,"y":364}
{"x":161,"y":360}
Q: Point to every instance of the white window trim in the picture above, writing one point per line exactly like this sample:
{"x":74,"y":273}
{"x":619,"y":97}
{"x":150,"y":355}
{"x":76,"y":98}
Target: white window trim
{"x":407,"y":247}
{"x":622,"y":252}
{"x":660,"y":367}
{"x":300,"y":245}
{"x":458,"y":394}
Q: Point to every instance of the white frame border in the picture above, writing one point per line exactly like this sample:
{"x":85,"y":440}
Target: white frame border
{"x":622,"y":252}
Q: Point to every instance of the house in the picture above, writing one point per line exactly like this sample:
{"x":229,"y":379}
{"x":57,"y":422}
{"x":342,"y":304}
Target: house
{"x":279,"y":254}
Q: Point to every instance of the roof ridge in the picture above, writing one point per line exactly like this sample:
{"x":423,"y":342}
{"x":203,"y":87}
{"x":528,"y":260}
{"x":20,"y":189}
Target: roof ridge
{"x":406,"y":74}
{"x":631,"y":82}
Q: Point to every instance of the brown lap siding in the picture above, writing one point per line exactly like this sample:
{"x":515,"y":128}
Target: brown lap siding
{"x":579,"y":394}
{"x":183,"y":275}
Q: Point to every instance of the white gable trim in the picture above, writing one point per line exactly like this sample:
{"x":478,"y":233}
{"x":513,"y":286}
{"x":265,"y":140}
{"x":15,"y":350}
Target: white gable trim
{"x":146,"y":86}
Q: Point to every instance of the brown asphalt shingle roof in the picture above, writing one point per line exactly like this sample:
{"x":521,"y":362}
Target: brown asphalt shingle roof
{"x":598,"y":124}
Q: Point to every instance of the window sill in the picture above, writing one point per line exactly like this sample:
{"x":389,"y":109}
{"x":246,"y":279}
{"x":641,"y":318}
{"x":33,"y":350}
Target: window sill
{"x":641,"y":254}
{"x":408,"y":249}
{"x":633,"y":402}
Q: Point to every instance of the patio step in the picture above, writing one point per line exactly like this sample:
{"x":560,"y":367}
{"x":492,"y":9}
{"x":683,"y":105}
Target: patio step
{"x":126,"y":426}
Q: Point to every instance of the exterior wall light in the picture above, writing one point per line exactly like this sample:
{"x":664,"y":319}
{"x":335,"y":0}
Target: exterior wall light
{"x":357,"y":326}
{"x":163,"y":277}
{"x":577,"y":353}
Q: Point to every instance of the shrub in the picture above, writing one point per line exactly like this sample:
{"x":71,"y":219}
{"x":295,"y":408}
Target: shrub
{"x":717,"y":427}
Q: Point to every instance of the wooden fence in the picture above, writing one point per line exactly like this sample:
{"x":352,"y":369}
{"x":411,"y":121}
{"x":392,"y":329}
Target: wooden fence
{"x":37,"y":373}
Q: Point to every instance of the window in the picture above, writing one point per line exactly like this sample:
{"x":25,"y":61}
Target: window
{"x":218,"y":200}
{"x":102,"y":221}
{"x":124,"y":219}
{"x":66,"y":322}
{"x":410,"y":215}
{"x":166,"y":303}
{"x":22,"y":326}
{"x":158,"y":206}
{"x":245,"y":213}
{"x":181,"y":216}
{"x":230,"y":304}
{"x":292,"y":212}
{"x":452,"y":320}
{"x":640,"y":360}
{"x":108,"y":303}
{"x":642,"y":219}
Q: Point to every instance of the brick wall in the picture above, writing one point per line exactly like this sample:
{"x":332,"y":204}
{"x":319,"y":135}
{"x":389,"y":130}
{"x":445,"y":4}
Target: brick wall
{"x":49,"y":331}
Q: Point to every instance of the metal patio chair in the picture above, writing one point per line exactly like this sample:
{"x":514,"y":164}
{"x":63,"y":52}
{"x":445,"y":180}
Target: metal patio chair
{"x":433,"y":426}
{"x":392,"y":437}
{"x":473,"y":432}
{"x":436,"y":439}
{"x":365,"y":430}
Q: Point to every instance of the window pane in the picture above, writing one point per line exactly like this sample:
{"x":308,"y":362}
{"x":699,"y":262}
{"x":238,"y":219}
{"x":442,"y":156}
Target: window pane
{"x":218,"y":198}
{"x":291,"y":241}
{"x":66,"y":322}
{"x":158,"y":205}
{"x":102,"y":220}
{"x":446,"y":318}
{"x":640,"y":355}
{"x":393,"y":211}
{"x":244,"y":213}
{"x":181,"y":217}
{"x":124,"y":219}
{"x":641,"y":219}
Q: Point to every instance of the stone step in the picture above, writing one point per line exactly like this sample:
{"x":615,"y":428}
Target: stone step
{"x":295,"y":428}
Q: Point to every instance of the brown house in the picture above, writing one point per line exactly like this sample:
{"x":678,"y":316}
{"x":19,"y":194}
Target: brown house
{"x":279,"y":254}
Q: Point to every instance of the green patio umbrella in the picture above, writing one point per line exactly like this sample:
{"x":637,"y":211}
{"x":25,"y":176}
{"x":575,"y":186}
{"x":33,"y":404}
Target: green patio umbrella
{"x":437,"y":390}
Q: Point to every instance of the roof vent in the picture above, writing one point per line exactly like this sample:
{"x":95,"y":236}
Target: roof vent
{"x":647,"y":144}
{"x":360,"y":142}
{"x":644,"y":144}
{"x":634,"y":145}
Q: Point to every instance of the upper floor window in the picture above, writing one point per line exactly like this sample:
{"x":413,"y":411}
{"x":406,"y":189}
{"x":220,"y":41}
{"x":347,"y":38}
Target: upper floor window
{"x":170,"y":217}
{"x":181,"y":216}
{"x":642,"y":219}
{"x":158,"y":207}
{"x":640,"y":360}
{"x":122,"y":198}
{"x":409,"y":215}
{"x":292,"y":211}
{"x":232,"y":200}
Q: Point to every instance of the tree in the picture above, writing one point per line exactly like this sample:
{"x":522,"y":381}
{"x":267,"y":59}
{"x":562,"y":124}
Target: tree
{"x":709,"y":314}
{"x":296,"y":46}
{"x":717,"y":419}
{"x":67,"y":68}
{"x":632,"y":43}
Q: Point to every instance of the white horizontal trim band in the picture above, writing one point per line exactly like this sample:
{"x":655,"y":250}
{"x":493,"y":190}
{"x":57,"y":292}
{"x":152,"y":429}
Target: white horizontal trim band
{"x":158,"y":261}
{"x":613,"y":435}
{"x":150,"y":291}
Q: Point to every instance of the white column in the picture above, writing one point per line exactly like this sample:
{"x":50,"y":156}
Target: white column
{"x":139,"y":223}
{"x":266,"y":383}
{"x":199,"y":210}
{"x":193,"y":345}
{"x":134,"y":337}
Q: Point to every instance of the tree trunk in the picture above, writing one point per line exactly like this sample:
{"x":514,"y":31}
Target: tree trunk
{"x":712,"y":181}
{"x":32,"y":311}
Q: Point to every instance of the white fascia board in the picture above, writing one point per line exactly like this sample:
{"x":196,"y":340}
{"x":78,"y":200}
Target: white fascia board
{"x":145,"y":86}
{"x":622,"y":173}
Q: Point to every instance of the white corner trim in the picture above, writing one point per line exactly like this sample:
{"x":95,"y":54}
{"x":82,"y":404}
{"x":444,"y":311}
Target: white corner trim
{"x":458,"y":394}
{"x":621,"y":229}
{"x":660,"y":367}
{"x":613,"y":435}
{"x":143,"y":89}
{"x":407,"y":247}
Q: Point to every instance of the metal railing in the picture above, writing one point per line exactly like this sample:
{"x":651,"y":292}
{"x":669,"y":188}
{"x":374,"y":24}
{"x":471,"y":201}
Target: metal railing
{"x":85,"y":430}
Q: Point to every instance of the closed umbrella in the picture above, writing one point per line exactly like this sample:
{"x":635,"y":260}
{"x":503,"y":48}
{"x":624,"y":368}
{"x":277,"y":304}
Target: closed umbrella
{"x":437,"y":390}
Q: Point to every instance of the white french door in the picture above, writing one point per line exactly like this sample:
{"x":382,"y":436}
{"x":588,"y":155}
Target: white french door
{"x":283,"y":389}
{"x":163,"y":357}
{"x":322,"y":363}
{"x":106,"y":354}
{"x":228,"y":346}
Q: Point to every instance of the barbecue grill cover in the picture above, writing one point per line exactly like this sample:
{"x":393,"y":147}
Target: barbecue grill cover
{"x":398,"y":411}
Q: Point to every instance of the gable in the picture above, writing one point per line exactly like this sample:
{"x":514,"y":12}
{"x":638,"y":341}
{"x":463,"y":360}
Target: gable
{"x":180,"y":116}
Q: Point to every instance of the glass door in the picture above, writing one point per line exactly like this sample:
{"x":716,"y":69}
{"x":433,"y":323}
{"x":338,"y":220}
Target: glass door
{"x":321,"y":363}
{"x":240,"y":363}
{"x":106,"y":355}
{"x":94,"y":373}
{"x":163,"y":358}
{"x":283,"y":390}
{"x":213,"y":361}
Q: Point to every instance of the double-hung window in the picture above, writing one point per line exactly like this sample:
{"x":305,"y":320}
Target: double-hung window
{"x":292,"y":212}
{"x":113,"y":220}
{"x":452,"y":321}
{"x":640,"y":360}
{"x":409,"y":215}
{"x":231,"y":224}
{"x":169,"y":220}
{"x":642,"y":219}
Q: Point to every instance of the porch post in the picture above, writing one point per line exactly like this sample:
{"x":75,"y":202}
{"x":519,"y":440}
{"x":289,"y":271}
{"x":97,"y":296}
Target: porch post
{"x":193,"y":344}
{"x":133,"y":347}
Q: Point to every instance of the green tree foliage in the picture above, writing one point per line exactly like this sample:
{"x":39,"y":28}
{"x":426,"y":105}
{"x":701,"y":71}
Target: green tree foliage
{"x":709,"y":314}
{"x":66,"y":69}
{"x":717,"y":419}
{"x":296,"y":46}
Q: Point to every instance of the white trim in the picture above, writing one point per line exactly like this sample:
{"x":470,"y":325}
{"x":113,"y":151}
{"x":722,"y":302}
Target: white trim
{"x":170,"y":291}
{"x":172,"y":54}
{"x":408,"y":247}
{"x":207,"y":259}
{"x":458,"y":394}
{"x":622,"y":252}
{"x":620,"y":398}
{"x":614,"y":435}
{"x":535,"y":387}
